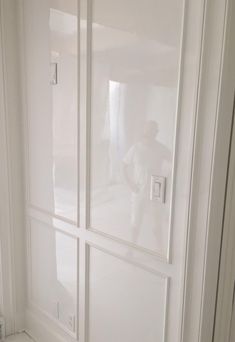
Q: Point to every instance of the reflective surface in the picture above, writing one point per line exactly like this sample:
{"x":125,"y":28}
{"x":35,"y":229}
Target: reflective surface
{"x":135,"y":65}
{"x":126,"y":303}
{"x":134,"y":79}
{"x":54,"y":273}
{"x":51,"y":47}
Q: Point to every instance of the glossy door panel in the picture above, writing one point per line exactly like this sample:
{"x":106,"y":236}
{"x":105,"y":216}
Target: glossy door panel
{"x":126,"y":303}
{"x":51,"y":47}
{"x":136,"y":88}
{"x":134,"y":83}
{"x":54,"y":273}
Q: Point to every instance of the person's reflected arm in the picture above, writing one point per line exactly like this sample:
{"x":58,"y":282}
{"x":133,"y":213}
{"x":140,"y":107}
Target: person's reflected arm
{"x":128,"y":162}
{"x":128,"y":180}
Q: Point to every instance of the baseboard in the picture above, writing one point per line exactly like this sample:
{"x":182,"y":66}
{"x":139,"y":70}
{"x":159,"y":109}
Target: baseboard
{"x":19,"y":323}
{"x":42,"y":330}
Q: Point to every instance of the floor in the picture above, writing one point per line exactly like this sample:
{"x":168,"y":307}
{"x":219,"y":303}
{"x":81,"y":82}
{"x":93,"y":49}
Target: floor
{"x":19,"y":338}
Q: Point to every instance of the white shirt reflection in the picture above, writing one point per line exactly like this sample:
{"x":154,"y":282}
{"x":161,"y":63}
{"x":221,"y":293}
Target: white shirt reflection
{"x":145,"y":158}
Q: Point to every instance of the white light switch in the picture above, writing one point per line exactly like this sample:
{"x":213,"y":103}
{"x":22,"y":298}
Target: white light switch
{"x":157,"y":191}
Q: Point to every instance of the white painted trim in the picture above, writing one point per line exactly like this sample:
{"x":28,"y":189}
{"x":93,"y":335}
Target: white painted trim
{"x":125,"y":259}
{"x":25,"y":130}
{"x":176,"y":128}
{"x":208,"y":181}
{"x":12,"y":220}
{"x":225,"y":291}
{"x":91,"y":238}
{"x":225,"y":305}
{"x":7,"y":266}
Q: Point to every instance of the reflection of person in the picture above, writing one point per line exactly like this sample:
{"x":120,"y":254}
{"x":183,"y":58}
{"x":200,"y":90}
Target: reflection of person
{"x":145,"y":158}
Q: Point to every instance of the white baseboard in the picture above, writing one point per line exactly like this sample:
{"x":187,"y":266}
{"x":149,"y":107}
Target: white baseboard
{"x":19,"y":322}
{"x":42,"y":330}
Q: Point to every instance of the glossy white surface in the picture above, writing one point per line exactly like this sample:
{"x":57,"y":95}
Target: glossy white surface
{"x":128,"y":114}
{"x":135,"y":68}
{"x":51,"y":37}
{"x":54,"y":272}
{"x":120,"y":297}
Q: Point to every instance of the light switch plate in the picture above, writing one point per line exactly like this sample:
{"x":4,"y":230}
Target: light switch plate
{"x":158,"y":188}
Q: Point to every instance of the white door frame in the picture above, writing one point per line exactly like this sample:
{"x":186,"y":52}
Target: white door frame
{"x":12,"y":258}
{"x":225,"y":291}
{"x":209,"y":174}
{"x":6,"y":248}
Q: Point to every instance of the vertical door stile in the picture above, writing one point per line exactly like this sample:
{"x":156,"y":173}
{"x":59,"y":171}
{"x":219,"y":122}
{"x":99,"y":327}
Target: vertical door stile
{"x":83,"y":158}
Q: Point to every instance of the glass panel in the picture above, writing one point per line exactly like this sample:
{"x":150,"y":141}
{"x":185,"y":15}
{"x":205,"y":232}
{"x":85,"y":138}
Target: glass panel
{"x":126,"y":303}
{"x":135,"y":64}
{"x":51,"y":50}
{"x":54,"y":275}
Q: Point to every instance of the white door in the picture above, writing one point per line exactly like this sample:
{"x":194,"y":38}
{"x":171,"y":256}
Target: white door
{"x":110,"y":92}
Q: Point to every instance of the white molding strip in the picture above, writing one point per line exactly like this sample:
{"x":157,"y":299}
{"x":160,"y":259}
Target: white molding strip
{"x":208,"y":180}
{"x":225,"y":291}
{"x":7,"y":265}
{"x":11,"y":218}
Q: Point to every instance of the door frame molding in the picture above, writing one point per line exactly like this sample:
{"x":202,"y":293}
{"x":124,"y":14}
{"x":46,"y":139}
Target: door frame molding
{"x":8,"y":300}
{"x":225,"y":289}
{"x":209,"y":176}
{"x":12,"y":258}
